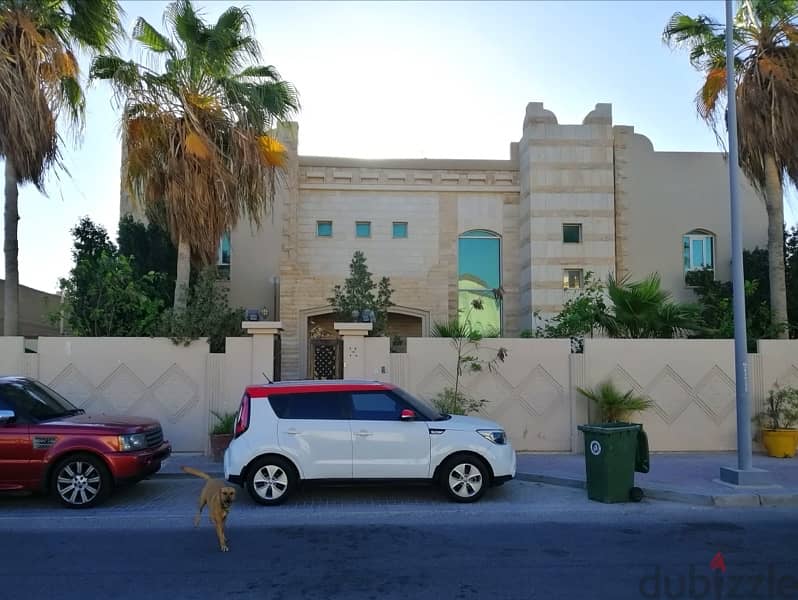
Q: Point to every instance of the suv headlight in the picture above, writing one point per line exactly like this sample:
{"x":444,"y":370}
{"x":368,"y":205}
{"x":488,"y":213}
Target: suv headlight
{"x":496,"y":436}
{"x":132,"y":441}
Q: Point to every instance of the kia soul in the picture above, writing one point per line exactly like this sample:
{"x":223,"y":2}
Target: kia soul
{"x":359,"y":431}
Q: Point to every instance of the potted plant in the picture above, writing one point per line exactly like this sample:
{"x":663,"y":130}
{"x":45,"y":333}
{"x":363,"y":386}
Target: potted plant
{"x":777,"y":422}
{"x":614,"y":405}
{"x":221,"y":434}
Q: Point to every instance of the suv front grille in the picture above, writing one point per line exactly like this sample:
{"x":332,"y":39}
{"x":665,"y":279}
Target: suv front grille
{"x":154,"y":437}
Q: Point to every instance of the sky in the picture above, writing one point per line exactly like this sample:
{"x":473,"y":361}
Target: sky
{"x":406,"y":80}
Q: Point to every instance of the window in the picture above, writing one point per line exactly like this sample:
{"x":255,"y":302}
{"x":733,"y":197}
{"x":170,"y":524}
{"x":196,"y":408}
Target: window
{"x":572,"y":279}
{"x":376,"y":406}
{"x":223,"y":256}
{"x":698,"y":251}
{"x":479,"y":278}
{"x":321,"y":406}
{"x":324,"y":228}
{"x":572,"y":233}
{"x":399,"y":229}
{"x":363,"y":229}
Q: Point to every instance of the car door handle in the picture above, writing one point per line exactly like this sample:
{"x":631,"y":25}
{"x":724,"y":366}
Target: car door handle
{"x":363,"y":433}
{"x":292,"y":431}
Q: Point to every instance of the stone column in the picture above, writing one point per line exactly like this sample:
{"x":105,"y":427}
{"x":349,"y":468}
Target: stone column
{"x":262,"y":333}
{"x":354,"y":335}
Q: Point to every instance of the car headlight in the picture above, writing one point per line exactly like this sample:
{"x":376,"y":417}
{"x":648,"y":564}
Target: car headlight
{"x":496,"y":436}
{"x":132,"y":441}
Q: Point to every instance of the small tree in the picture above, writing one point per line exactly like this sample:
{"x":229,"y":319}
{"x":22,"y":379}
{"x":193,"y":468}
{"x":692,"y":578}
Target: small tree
{"x":207,"y":314}
{"x":105,"y":294}
{"x":359,"y":294}
{"x":465,"y":340}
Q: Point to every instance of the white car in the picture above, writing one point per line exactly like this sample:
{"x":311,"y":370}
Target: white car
{"x":354,"y":431}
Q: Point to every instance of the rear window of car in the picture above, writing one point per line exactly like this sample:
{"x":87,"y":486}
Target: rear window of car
{"x":309,"y":405}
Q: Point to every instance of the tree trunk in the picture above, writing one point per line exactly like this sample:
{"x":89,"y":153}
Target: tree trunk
{"x":11,"y":249}
{"x":774,"y":202}
{"x":183,"y":272}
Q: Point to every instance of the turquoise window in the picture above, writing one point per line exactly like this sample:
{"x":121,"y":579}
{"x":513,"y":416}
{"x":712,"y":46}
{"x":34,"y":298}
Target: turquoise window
{"x":698,"y":251}
{"x":363,"y":229}
{"x":324,"y":228}
{"x":224,"y":250}
{"x":479,"y":278}
{"x":399,"y":229}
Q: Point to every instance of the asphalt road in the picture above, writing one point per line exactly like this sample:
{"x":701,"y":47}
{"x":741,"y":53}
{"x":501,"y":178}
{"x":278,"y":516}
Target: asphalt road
{"x":522,"y":541}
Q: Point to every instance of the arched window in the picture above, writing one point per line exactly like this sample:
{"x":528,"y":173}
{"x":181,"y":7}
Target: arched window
{"x":698,"y":249}
{"x":479,"y":268}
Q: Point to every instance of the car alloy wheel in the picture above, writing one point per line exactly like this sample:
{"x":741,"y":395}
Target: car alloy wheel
{"x":81,"y":481}
{"x":464,"y":478}
{"x":271,"y":480}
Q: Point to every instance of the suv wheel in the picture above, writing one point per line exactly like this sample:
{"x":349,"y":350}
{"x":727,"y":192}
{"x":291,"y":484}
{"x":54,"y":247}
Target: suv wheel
{"x":81,"y":481}
{"x":271,"y":480}
{"x":464,"y":478}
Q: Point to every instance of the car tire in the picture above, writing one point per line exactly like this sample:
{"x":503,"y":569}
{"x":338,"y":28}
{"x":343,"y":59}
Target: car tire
{"x":464,"y":478}
{"x":81,"y":481}
{"x":271,"y":480}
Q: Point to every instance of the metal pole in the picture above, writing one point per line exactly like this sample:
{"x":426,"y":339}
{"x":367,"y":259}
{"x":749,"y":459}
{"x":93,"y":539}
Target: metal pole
{"x":738,"y":278}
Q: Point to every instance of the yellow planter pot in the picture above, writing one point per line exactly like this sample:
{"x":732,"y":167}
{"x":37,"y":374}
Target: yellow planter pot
{"x":780,"y":443}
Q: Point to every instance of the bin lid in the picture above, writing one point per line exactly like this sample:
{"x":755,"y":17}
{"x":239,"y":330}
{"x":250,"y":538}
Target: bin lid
{"x":609,"y":427}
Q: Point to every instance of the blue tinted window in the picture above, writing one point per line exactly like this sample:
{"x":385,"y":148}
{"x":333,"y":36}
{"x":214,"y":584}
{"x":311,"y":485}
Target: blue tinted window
{"x":375,"y":406}
{"x":363,"y":229}
{"x":224,"y":249}
{"x":399,"y":230}
{"x":324,"y":228}
{"x":479,"y":279}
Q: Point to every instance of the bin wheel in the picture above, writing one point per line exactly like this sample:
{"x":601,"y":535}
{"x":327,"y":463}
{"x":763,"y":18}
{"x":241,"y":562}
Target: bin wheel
{"x":636,"y":494}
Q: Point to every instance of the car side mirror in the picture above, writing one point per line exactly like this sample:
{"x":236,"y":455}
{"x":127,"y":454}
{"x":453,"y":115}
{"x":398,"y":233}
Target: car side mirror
{"x":6,"y":416}
{"x":407,"y":415}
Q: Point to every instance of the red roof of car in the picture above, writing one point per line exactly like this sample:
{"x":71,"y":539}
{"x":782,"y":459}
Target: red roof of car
{"x":314,"y":385}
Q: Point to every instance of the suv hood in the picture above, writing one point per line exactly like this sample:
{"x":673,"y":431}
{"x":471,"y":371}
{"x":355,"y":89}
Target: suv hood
{"x":110,"y":422}
{"x":463,"y":423}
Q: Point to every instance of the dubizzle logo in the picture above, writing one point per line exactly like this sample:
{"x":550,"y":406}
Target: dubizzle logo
{"x":718,"y":585}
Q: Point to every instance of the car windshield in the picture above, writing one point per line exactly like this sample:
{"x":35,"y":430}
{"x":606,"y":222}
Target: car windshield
{"x":39,"y":401}
{"x":425,"y":406}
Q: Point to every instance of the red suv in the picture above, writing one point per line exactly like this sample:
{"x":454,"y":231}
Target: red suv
{"x":49,"y":445}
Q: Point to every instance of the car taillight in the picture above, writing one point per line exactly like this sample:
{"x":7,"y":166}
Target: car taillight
{"x":242,"y":420}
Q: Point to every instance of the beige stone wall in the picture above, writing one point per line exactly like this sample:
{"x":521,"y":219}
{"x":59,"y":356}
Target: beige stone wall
{"x":438,"y":199}
{"x":660,"y":196}
{"x":147,"y":377}
{"x":566,"y":174}
{"x":35,"y":306}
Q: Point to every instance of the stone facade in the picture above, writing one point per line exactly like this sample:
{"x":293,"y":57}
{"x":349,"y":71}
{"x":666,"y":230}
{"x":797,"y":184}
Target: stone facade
{"x":628,"y":206}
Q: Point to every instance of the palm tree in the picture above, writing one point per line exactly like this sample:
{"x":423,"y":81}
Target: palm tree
{"x":39,"y":83}
{"x":642,"y":309}
{"x":765,"y":46}
{"x":198,"y":121}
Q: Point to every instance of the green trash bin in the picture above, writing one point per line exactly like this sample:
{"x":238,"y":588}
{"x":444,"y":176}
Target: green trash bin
{"x":613,"y":452}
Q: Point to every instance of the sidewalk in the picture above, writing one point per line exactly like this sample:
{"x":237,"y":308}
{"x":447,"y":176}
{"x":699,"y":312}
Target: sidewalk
{"x":692,"y":478}
{"x":687,"y":477}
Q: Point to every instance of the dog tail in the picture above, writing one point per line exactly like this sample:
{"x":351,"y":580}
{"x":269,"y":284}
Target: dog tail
{"x":191,"y":471}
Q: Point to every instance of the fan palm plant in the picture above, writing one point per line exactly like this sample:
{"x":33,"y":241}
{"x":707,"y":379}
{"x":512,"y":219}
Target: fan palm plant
{"x":642,"y":309}
{"x":765,"y":45}
{"x":40,"y":84}
{"x":614,"y":405}
{"x":199,"y":123}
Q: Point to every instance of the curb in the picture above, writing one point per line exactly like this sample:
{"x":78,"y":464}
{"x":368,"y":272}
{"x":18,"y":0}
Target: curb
{"x":214,"y":475}
{"x":694,"y":498}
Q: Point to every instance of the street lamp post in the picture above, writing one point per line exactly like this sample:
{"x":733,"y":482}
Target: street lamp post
{"x":744,"y":474}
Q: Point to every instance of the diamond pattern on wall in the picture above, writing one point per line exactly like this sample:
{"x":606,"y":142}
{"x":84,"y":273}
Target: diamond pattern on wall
{"x":122,"y":389}
{"x":540,"y":391}
{"x":716,"y":394}
{"x":74,"y":386}
{"x":434,"y":382}
{"x":175,"y":391}
{"x":670,"y":393}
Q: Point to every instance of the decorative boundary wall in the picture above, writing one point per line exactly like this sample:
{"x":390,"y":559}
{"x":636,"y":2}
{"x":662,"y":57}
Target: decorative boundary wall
{"x":533,"y":393}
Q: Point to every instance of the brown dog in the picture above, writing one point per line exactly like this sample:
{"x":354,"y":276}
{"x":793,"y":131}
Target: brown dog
{"x":219,"y":498}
